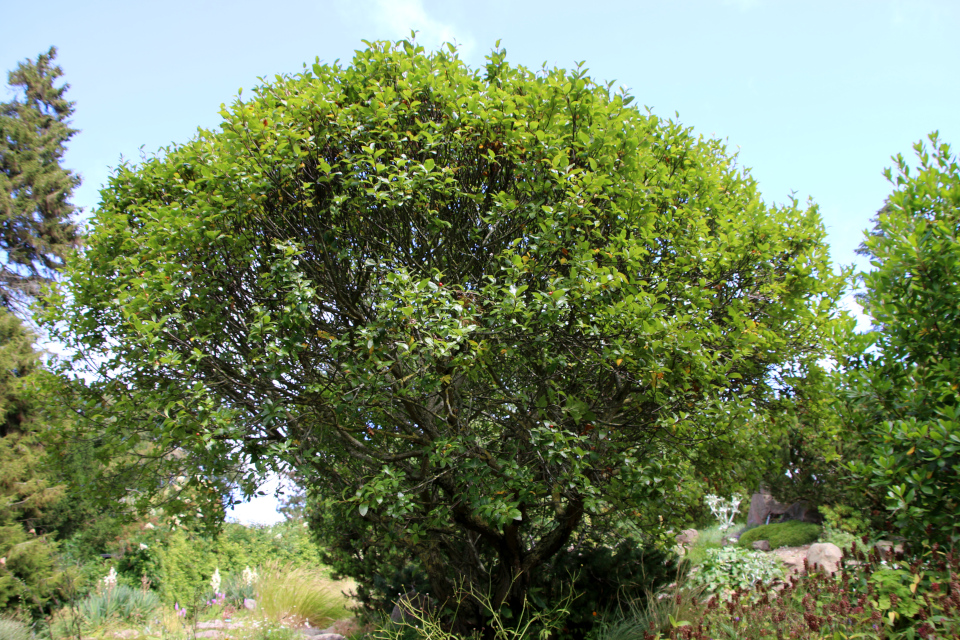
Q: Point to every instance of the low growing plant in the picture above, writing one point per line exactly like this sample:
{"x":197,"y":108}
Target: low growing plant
{"x":792,"y":533}
{"x":880,"y":596}
{"x":13,"y":629}
{"x":711,"y":538}
{"x":732,"y":568}
{"x":298,"y":595}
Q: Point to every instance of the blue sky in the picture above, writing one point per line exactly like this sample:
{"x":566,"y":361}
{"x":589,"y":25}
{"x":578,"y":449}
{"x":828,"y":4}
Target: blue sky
{"x":815,"y":95}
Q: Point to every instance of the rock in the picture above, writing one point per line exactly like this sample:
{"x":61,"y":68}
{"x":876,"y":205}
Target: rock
{"x":763,"y":506}
{"x":344,"y":627}
{"x":219,"y":624}
{"x":885,"y":547}
{"x":803,"y":512}
{"x":321,"y":634}
{"x":688,"y":537}
{"x":824,"y":555}
{"x":761,"y":545}
{"x":249,"y":604}
{"x":126,"y":634}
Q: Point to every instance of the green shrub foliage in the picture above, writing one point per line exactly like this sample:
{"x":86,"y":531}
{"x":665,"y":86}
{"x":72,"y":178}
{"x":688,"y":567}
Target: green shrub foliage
{"x":782,"y":534}
{"x":472,"y":309}
{"x":734,"y":569}
{"x":903,"y":393}
{"x":601,"y":578}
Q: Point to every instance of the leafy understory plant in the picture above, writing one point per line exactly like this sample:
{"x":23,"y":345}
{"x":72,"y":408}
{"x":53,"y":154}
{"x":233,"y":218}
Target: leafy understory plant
{"x":724,"y":510}
{"x":731,"y":568}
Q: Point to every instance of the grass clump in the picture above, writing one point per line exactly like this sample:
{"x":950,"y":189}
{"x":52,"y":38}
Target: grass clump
{"x":300,"y":595}
{"x":13,"y":629}
{"x":782,"y":534}
{"x":710,"y":538}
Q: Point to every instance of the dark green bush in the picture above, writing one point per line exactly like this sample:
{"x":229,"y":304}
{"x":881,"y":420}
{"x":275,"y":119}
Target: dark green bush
{"x":782,"y":534}
{"x":602,"y":577}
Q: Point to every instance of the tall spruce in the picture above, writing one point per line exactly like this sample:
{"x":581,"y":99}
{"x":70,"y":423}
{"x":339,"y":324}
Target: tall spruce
{"x":37,"y":227}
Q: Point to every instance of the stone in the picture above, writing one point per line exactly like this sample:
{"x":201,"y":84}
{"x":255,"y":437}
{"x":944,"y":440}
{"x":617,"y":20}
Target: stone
{"x":885,"y":547}
{"x":329,"y":636}
{"x":761,"y":545}
{"x":803,"y":512}
{"x":688,"y":537}
{"x":249,"y":604}
{"x":345,"y":627}
{"x":763,"y":507}
{"x":824,"y":555}
{"x":126,"y":634}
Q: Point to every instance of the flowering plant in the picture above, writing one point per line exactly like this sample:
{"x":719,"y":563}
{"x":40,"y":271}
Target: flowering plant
{"x":109,"y":581}
{"x":724,"y":510}
{"x":249,"y":576}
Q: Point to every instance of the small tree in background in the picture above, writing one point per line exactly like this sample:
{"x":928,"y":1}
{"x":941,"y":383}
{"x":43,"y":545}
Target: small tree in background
{"x":479,"y":313}
{"x":29,"y":577}
{"x":37,"y":227}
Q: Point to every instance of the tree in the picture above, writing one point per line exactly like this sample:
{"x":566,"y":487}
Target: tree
{"x":37,"y":230}
{"x":478,"y":313}
{"x":29,"y":577}
{"x":903,"y":391}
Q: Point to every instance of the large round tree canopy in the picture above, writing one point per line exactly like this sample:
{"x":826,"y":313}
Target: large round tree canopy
{"x":477,"y":308}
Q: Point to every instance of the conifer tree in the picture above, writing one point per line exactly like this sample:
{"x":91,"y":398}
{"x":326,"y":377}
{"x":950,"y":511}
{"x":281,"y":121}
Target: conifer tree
{"x":37,"y":228}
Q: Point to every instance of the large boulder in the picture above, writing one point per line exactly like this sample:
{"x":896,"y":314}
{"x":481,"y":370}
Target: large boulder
{"x":824,"y":556}
{"x":764,"y":508}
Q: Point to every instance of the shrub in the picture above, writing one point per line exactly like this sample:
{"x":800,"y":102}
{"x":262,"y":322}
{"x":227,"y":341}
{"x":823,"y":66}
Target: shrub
{"x":732,"y":568}
{"x":782,"y":534}
{"x":602,"y":576}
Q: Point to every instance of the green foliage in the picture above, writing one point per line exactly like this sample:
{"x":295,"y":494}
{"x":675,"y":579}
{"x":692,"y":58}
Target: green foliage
{"x":304,"y":594}
{"x":473,"y":310}
{"x":709,"y":538}
{"x":792,"y":533}
{"x":179,"y":563}
{"x":842,"y":525}
{"x":732,"y":568}
{"x":119,"y":603}
{"x":601,"y":577}
{"x":14,"y":629}
{"x":903,"y":393}
{"x":29,"y":575}
{"x":879,"y":597}
{"x":37,"y":232}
